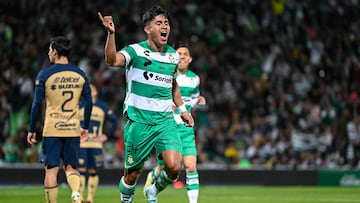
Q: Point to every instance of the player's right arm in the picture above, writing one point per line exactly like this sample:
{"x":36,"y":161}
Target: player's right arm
{"x":112,"y":57}
{"x":35,"y":108}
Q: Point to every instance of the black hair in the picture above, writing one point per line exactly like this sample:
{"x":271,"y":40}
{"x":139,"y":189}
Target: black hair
{"x":181,"y":44}
{"x":62,"y":45}
{"x":154,"y":11}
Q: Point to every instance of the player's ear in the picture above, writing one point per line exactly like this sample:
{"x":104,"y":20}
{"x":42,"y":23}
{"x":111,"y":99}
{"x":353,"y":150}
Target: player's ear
{"x":55,"y":52}
{"x":190,"y":59}
{"x":147,"y":29}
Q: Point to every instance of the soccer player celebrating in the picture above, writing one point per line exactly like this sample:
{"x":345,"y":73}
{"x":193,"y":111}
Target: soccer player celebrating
{"x":189,"y":84}
{"x":62,"y":85}
{"x":91,"y":155}
{"x":151,"y":89}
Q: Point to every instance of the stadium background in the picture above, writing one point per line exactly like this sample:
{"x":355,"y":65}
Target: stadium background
{"x":281,"y":77}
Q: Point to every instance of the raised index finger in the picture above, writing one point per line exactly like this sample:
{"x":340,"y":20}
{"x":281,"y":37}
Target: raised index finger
{"x":100,"y":16}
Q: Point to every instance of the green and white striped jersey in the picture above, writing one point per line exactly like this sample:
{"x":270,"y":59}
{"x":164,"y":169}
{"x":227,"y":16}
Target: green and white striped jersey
{"x":189,"y":85}
{"x":149,"y":82}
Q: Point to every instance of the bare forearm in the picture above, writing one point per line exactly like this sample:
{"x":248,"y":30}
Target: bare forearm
{"x":110,"y":49}
{"x":177,"y":95}
{"x":177,"y":100}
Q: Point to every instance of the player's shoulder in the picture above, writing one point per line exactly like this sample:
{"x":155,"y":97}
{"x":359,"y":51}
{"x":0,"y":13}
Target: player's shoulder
{"x":170,"y":49}
{"x":47,"y":72}
{"x":191,"y":73}
{"x":144,"y":45}
{"x":76,"y":69}
{"x":171,"y":54}
{"x":137,"y":45}
{"x":60,"y":69}
{"x":135,"y":49}
{"x":56,"y":68}
{"x":101,"y":104}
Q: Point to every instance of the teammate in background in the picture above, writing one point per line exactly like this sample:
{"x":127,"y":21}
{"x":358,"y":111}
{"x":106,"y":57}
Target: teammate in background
{"x":189,"y":84}
{"x":151,"y":89}
{"x":62,"y":85}
{"x":91,"y":154}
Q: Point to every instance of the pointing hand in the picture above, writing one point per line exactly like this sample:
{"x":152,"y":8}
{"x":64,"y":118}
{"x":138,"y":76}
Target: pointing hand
{"x":108,"y":23}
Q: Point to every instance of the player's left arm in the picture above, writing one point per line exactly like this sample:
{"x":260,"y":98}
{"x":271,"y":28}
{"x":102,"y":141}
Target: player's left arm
{"x":176,"y":94}
{"x":185,"y":116}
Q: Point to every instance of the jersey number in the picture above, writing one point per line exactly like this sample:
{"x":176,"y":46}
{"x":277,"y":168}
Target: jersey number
{"x":94,"y":128}
{"x":69,"y":95}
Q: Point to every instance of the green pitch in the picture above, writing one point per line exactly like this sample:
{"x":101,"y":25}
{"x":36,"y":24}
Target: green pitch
{"x":213,"y":194}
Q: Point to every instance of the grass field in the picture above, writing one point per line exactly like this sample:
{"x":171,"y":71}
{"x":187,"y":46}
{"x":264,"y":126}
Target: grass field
{"x":213,"y":194}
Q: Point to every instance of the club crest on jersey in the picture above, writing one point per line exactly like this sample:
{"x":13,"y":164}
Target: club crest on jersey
{"x":171,"y":58}
{"x":193,"y":82}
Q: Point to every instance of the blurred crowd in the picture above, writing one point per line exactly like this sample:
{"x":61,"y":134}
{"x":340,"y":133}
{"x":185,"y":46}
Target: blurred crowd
{"x":281,"y":77}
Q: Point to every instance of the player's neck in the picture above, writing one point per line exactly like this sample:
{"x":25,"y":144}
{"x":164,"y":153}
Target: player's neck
{"x":182,"y":71}
{"x":154,"y":46}
{"x":62,"y":60}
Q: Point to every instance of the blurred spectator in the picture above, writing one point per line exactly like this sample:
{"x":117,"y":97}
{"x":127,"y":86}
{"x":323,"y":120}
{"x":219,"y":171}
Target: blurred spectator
{"x":4,"y":124}
{"x":11,"y":150}
{"x":119,"y":152}
{"x":353,"y":148}
{"x":231,"y":153}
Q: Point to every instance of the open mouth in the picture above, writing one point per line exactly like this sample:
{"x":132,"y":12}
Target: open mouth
{"x":163,"y":34}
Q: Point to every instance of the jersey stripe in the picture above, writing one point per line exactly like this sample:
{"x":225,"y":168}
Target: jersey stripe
{"x":145,"y":90}
{"x":146,"y":103}
{"x":189,"y":85}
{"x":149,"y":79}
{"x":167,"y":57}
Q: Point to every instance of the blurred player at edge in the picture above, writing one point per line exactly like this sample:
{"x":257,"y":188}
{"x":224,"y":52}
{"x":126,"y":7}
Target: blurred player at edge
{"x":91,"y":154}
